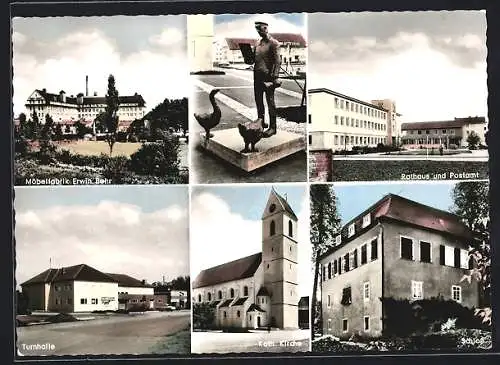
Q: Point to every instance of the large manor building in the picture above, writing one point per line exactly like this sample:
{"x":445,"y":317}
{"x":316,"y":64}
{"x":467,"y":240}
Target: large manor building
{"x":397,"y":248}
{"x":260,"y":290}
{"x":69,"y":109}
{"x":341,"y":122}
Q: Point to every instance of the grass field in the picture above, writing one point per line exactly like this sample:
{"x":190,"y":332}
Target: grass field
{"x":177,"y":343}
{"x":98,"y":147}
{"x":367,"y":170}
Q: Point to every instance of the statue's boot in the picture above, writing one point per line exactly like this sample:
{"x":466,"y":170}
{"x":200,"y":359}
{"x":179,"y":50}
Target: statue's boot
{"x":262,"y":122}
{"x":272,"y":127}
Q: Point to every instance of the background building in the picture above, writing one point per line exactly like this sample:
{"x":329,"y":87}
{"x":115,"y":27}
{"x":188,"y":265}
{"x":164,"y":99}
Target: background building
{"x":200,"y":36}
{"x":82,"y":288}
{"x":341,"y":122}
{"x":67,"y":110}
{"x":399,"y":249}
{"x":293,"y":50}
{"x":444,"y":133}
{"x":258,"y":290}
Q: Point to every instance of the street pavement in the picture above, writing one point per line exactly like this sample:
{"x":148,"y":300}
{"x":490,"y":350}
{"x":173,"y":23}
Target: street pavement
{"x":115,"y":334}
{"x":236,"y":100}
{"x":254,"y":341}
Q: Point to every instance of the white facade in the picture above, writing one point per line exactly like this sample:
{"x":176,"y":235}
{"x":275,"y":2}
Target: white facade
{"x":200,"y":35}
{"x":64,"y":110}
{"x":339,"y":122}
{"x":269,"y":297}
{"x":91,"y":296}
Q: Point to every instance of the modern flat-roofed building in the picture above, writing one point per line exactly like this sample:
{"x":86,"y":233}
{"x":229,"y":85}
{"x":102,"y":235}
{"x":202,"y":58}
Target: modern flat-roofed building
{"x":397,"y":248}
{"x":340,"y":122}
{"x":444,"y":133}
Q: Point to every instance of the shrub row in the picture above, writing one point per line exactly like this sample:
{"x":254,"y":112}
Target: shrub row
{"x":357,"y":150}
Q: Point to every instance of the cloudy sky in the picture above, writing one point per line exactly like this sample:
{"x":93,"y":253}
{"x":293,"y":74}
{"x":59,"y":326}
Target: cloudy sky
{"x":138,"y":231}
{"x":146,"y":54}
{"x":226,"y":225}
{"x":433,"y":64}
{"x":242,"y":25}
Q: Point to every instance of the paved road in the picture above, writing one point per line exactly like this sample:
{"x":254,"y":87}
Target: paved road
{"x":255,"y":341}
{"x":117,"y":334}
{"x":237,"y":104}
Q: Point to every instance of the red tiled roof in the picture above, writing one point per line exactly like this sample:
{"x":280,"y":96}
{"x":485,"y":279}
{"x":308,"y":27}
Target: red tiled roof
{"x":298,"y":39}
{"x":397,"y":208}
{"x":456,"y":123}
{"x":285,"y":205}
{"x":234,"y":270}
{"x":126,"y":99}
{"x":80,"y":272}
{"x":128,"y":281}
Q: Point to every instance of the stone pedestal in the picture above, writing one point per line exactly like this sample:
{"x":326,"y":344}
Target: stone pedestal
{"x":227,"y":144}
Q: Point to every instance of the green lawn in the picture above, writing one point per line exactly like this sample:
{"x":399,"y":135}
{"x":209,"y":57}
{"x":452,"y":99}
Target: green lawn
{"x":368,"y":170}
{"x":95,"y":148}
{"x":177,"y":343}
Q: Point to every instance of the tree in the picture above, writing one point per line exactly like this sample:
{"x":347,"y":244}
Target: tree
{"x":169,"y":114}
{"x":35,"y":126}
{"x":203,"y":316}
{"x":324,"y":224}
{"x":110,"y":117}
{"x":473,"y":140}
{"x":47,"y":149}
{"x":58,"y":132}
{"x":471,"y":203}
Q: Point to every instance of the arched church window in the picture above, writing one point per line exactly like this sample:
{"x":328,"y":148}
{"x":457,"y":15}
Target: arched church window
{"x":272,"y":228}
{"x":199,"y":298}
{"x":209,"y":297}
{"x":219,"y":294}
{"x":245,"y":291}
{"x":290,"y":228}
{"x":232,"y":293}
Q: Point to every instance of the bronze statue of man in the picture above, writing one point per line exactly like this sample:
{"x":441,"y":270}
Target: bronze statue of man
{"x":266,"y":71}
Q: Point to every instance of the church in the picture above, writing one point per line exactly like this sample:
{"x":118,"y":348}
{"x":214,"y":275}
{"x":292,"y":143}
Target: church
{"x":260,"y":290}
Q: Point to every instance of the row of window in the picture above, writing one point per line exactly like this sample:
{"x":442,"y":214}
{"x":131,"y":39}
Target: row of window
{"x":358,"y":123}
{"x":220,"y":294}
{"x":434,"y":131}
{"x":416,"y":288}
{"x":62,"y":287}
{"x":448,"y":256}
{"x":425,"y":141}
{"x":350,"y":261}
{"x":345,"y":324}
{"x":354,"y":140}
{"x":358,"y":108}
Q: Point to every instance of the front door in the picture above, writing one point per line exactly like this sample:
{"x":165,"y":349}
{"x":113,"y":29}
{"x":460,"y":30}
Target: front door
{"x":258,"y":322}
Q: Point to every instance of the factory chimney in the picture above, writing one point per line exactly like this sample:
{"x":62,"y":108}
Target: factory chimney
{"x":86,"y":85}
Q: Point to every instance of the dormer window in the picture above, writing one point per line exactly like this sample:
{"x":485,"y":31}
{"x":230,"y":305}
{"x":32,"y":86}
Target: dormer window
{"x":338,"y":240}
{"x":351,"y":230}
{"x":366,"y":220}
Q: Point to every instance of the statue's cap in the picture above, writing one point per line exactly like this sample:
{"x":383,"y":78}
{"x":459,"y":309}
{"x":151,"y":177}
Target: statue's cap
{"x":258,"y":24}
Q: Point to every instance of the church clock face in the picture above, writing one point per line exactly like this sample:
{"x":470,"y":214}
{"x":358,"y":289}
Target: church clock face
{"x":272,"y":208}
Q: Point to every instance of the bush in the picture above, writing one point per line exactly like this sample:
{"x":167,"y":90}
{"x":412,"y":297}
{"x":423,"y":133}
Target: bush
{"x":116,"y":169}
{"x":138,"y":308}
{"x":121,"y":137}
{"x":405,"y":318}
{"x":203,"y":316}
{"x":452,"y":146}
{"x":157,"y":158}
{"x":234,"y":330}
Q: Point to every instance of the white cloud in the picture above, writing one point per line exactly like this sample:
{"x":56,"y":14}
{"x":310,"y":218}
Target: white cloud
{"x":218,"y":235}
{"x":155,"y":74}
{"x":424,"y":82}
{"x":110,"y":236}
{"x":244,"y":27}
{"x":167,"y":38}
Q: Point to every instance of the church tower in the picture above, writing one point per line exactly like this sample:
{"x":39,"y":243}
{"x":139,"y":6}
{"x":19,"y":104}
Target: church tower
{"x":280,"y":261}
